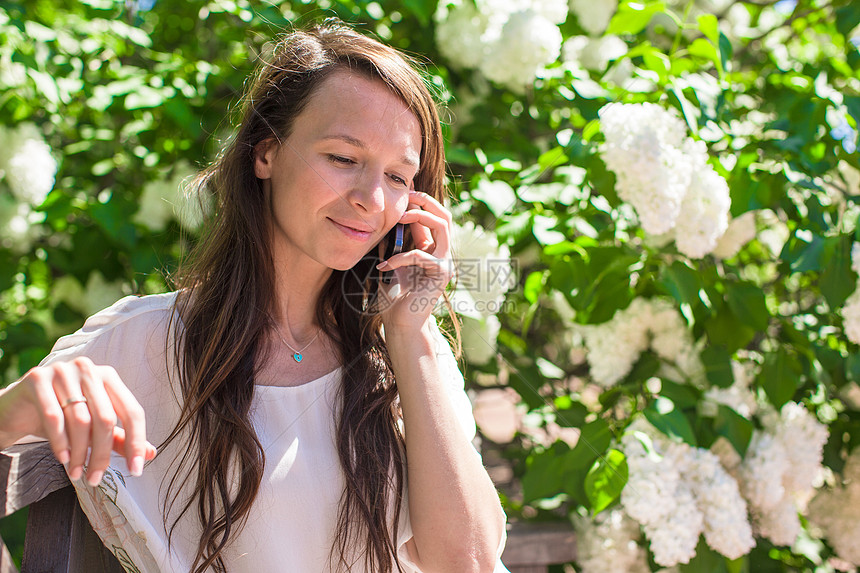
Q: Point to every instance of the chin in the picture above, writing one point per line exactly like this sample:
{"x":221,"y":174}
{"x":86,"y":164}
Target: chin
{"x":343,"y":265}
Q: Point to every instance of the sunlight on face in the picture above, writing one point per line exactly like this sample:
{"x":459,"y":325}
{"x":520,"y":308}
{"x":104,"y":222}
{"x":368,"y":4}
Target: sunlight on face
{"x":341,"y":180}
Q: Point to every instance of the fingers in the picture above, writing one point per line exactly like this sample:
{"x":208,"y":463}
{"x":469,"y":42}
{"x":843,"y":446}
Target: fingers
{"x":433,"y":216}
{"x":67,"y":385}
{"x":132,"y":417}
{"x":78,"y":407}
{"x":119,"y":444}
{"x":102,"y":419}
{"x":50,"y":412}
{"x":428,"y":229}
{"x":439,"y":270}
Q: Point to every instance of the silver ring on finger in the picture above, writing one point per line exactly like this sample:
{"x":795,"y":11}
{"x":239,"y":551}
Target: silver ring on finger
{"x":74,"y":400}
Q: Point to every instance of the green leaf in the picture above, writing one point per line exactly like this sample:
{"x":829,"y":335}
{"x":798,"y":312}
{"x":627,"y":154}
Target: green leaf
{"x":709,"y":26}
{"x":747,"y":303}
{"x":683,"y":283}
{"x":605,"y":480}
{"x":526,"y":381}
{"x":594,"y":438}
{"x":852,"y":103}
{"x":544,"y":473}
{"x":573,"y":416}
{"x":726,"y":51}
{"x":724,"y":328}
{"x":658,"y":62}
{"x":705,"y":49}
{"x":534,"y":286}
{"x":706,"y":561}
{"x":718,"y":365}
{"x":691,"y":113}
{"x":421,"y":9}
{"x":852,"y":367}
{"x":779,"y":376}
{"x":838,"y":281}
{"x":553,"y":158}
{"x":803,"y":255}
{"x":8,"y":266}
{"x":144,"y":97}
{"x":633,"y":17}
{"x":665,"y":417}
{"x":734,"y":427}
{"x":847,"y":18}
{"x":46,"y":85}
{"x":682,"y":395}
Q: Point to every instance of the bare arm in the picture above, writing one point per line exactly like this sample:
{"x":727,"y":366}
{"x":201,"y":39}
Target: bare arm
{"x":457,"y":520}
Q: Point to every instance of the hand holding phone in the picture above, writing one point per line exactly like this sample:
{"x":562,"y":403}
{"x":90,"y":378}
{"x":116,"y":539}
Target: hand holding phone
{"x":394,"y":245}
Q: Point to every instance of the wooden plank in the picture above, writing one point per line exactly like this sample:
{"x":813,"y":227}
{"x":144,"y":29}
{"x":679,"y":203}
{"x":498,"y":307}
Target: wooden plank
{"x":28,"y":473}
{"x":48,"y":541}
{"x":59,"y":539}
{"x":6,"y":563}
{"x":88,"y":553}
{"x":533,"y":544}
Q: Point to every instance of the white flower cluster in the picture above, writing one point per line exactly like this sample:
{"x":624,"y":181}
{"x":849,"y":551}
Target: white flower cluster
{"x":484,"y":274}
{"x":835,"y":511}
{"x":738,"y":396}
{"x":665,"y":175}
{"x":677,"y":492}
{"x":851,"y":309}
{"x":779,"y":468}
{"x":88,"y":299}
{"x":614,"y":346}
{"x":609,"y":542}
{"x":593,"y":17}
{"x":741,"y":230}
{"x":509,"y":41}
{"x":19,"y":224}
{"x":593,"y":53}
{"x":26,"y":163}
{"x":166,"y":199}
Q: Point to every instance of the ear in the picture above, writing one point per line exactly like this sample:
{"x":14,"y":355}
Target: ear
{"x":264,"y":155}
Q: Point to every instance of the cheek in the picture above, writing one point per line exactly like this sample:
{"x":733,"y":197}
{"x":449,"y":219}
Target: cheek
{"x":400,"y":204}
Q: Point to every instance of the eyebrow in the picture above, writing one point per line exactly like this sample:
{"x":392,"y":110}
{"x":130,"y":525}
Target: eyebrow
{"x":361,"y":145}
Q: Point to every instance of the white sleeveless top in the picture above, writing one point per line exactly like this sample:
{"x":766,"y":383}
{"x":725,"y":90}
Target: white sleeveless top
{"x":294,"y":516}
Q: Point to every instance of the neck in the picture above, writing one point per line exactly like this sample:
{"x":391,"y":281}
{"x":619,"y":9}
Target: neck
{"x":298,"y":283}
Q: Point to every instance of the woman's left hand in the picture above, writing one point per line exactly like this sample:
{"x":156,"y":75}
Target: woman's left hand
{"x":420,"y":275}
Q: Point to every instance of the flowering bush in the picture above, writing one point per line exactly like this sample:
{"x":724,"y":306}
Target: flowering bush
{"x":657,"y":208}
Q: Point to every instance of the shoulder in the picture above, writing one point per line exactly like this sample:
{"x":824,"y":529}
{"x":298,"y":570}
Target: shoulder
{"x":132,"y":317}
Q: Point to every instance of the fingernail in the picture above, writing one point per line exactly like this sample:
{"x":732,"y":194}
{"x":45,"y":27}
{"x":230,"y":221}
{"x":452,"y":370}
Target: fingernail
{"x":63,"y":457}
{"x":75,"y":473}
{"x":94,"y":478}
{"x":382,"y":265}
{"x":136,"y":466}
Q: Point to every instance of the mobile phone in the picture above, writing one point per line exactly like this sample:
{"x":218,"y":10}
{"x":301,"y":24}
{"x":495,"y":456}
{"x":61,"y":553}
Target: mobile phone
{"x":393,"y":246}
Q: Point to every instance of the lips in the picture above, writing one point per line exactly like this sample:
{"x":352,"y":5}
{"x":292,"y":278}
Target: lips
{"x":354,"y":226}
{"x":352,"y":232}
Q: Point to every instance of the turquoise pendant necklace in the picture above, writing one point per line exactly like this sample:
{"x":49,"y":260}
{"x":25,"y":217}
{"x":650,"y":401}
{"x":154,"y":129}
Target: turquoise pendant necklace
{"x":297,"y":354}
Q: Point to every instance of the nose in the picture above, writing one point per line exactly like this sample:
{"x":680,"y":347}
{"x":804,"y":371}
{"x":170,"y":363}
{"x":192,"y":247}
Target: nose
{"x":368,"y":194}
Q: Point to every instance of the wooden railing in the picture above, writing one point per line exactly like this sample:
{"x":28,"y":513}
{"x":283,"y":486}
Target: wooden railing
{"x":59,"y":537}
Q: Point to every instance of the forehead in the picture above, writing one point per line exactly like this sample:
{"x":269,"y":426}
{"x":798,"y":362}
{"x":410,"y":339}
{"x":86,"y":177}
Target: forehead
{"x":354,"y":105}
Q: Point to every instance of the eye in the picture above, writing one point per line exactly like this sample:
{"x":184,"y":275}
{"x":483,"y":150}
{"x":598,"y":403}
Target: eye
{"x":398,"y":179}
{"x":341,"y":160}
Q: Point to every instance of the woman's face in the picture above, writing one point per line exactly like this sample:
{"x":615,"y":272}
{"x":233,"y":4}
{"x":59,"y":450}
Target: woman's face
{"x":341,"y":180}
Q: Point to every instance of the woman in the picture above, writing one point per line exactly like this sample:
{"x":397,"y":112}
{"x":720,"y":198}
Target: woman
{"x":268,"y":377}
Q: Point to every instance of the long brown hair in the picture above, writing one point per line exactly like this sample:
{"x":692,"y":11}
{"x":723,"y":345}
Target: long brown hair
{"x":222,"y":318}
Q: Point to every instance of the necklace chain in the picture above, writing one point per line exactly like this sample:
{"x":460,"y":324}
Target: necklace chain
{"x":297,"y":354}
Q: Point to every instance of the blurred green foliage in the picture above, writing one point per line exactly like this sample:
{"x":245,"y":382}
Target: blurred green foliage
{"x":131,"y":100}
